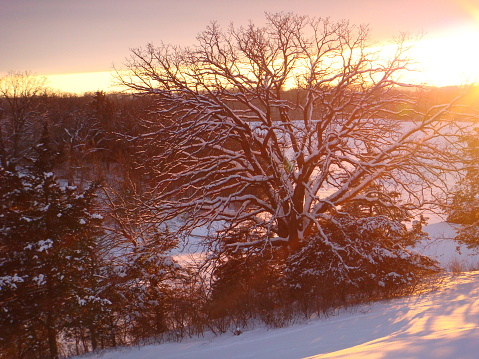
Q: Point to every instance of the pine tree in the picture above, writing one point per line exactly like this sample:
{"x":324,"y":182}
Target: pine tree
{"x":48,"y":239}
{"x":367,"y":257}
{"x":147,"y":283}
{"x":464,"y":206}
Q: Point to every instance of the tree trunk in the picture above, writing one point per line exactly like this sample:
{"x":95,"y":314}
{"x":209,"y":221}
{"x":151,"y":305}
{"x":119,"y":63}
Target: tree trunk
{"x":94,"y":343}
{"x":52,"y":338}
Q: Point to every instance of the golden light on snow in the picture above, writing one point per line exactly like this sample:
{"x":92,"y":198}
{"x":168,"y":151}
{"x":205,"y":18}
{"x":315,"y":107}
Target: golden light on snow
{"x":433,"y":326}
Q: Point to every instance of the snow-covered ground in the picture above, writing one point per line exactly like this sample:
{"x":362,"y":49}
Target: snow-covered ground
{"x":445,"y":250}
{"x":441,"y":246}
{"x":440,"y":324}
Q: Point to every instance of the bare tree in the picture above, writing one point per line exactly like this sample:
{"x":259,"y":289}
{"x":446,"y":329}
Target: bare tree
{"x":278,"y":128}
{"x":19,"y":92}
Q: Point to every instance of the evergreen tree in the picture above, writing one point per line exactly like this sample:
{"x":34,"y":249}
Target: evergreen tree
{"x":146,"y":282}
{"x":464,"y":206}
{"x":48,"y":240}
{"x":366,"y":257}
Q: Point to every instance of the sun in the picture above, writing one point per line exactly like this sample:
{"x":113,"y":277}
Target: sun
{"x":450,"y":59}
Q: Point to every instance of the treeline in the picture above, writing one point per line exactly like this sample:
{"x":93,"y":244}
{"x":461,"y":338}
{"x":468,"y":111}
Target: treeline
{"x":82,"y":268}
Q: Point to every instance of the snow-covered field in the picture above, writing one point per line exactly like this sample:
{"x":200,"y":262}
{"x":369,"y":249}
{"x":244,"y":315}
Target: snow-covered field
{"x":445,"y":250}
{"x":440,"y":324}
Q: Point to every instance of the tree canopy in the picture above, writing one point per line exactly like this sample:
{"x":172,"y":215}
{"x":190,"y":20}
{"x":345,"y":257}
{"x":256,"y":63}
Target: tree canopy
{"x":277,"y":128}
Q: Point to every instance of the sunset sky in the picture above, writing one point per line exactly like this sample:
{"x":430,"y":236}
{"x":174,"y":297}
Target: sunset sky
{"x":89,"y":37}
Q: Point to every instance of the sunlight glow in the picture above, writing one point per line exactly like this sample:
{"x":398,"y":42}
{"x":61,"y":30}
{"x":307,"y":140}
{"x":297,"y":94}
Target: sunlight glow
{"x":447,"y":60}
{"x":450,"y":59}
{"x":82,"y":82}
{"x":470,"y":7}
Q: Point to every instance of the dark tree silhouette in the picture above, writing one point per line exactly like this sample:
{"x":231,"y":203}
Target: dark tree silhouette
{"x":48,"y":242}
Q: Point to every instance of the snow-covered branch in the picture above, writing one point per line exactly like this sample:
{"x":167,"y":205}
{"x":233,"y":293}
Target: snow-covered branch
{"x":283,"y":124}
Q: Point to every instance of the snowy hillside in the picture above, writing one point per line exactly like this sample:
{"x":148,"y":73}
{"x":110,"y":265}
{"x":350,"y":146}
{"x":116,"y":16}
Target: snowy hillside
{"x":441,"y":324}
{"x":445,"y":250}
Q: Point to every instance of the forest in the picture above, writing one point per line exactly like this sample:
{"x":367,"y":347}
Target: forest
{"x":295,"y":150}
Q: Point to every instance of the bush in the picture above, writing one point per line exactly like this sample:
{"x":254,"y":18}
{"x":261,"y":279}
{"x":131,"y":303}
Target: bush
{"x":352,"y":260}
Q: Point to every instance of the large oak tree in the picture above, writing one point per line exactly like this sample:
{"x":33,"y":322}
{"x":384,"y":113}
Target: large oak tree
{"x":279,"y":128}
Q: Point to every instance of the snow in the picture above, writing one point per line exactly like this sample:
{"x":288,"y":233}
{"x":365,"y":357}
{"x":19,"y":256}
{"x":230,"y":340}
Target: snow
{"x":445,"y":250}
{"x":45,"y":245}
{"x":40,"y":279}
{"x":9,"y":281}
{"x":439,"y":324}
{"x":440,"y":247}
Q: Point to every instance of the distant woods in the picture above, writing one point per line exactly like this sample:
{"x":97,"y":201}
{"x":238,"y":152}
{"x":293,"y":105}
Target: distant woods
{"x":100,"y":125}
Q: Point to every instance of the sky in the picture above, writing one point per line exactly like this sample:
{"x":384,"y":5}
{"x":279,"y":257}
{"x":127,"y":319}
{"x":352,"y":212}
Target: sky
{"x":83,"y":38}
